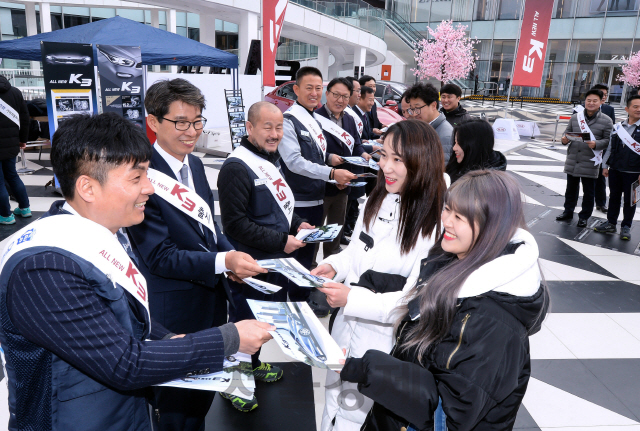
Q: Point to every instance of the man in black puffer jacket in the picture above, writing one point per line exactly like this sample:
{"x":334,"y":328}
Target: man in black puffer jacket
{"x":14,"y":131}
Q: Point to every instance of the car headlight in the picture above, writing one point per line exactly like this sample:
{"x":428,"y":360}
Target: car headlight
{"x":119,"y":60}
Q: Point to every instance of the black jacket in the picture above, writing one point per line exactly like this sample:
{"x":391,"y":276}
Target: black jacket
{"x":622,"y":158}
{"x":457,"y":116}
{"x":236,"y":200}
{"x":497,"y":162}
{"x":480,"y":369}
{"x":367,"y":127}
{"x":10,"y":134}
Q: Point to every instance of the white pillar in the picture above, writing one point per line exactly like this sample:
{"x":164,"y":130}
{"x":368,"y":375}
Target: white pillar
{"x":359,"y":59}
{"x":45,"y":17}
{"x":171,"y":26}
{"x":32,"y":27}
{"x":208,"y":29}
{"x":247,"y":31}
{"x":323,"y":61}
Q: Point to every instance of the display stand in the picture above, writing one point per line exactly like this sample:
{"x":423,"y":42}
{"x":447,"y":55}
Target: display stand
{"x":236,"y":116}
{"x":24,"y":170}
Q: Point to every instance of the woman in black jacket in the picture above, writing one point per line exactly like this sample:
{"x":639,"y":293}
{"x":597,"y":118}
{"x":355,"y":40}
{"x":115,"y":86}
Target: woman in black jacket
{"x":473,"y":150}
{"x":463,"y":341}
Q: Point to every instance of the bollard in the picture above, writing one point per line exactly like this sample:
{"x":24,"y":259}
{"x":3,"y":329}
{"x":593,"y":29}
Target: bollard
{"x":24,"y":170}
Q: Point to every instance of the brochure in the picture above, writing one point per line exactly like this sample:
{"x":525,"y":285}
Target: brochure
{"x":360,"y":161}
{"x":367,"y":175}
{"x":291,"y":268}
{"x":299,"y":333}
{"x":358,"y":184}
{"x":634,"y":192}
{"x":320,"y":234}
{"x":262,"y":286}
{"x":576,"y":136}
{"x":235,"y":378}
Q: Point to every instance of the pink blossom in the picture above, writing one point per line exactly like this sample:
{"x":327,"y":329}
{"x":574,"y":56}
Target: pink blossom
{"x":447,"y":56}
{"x":631,"y":71}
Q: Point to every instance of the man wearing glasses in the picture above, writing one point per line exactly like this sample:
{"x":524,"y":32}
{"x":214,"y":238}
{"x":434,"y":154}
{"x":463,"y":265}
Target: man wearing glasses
{"x":181,"y":258}
{"x":423,"y":105}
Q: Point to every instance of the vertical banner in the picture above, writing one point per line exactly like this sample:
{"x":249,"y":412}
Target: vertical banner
{"x":272,"y":20}
{"x":69,"y":80}
{"x":121,"y":81}
{"x":532,"y":48}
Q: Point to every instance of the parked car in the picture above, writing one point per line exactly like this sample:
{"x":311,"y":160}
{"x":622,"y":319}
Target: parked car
{"x":389,"y":94}
{"x":283,"y":97}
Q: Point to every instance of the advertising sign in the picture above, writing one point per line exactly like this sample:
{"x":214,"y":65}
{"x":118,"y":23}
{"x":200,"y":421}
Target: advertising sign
{"x":121,"y":81}
{"x":69,"y":80}
{"x":272,"y":20}
{"x":532,"y":48}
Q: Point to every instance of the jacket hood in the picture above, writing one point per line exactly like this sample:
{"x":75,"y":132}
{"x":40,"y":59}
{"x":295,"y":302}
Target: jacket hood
{"x":4,"y":84}
{"x":497,"y":161}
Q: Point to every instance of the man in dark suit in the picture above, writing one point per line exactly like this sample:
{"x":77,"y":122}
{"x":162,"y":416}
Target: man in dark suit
{"x":376,"y":125}
{"x":601,"y":182}
{"x":78,"y":341}
{"x":362,"y":108}
{"x":181,"y":258}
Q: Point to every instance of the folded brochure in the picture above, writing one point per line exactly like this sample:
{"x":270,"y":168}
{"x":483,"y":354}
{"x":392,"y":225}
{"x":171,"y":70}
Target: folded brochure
{"x":262,"y":286}
{"x":299,"y":333}
{"x":320,"y":234}
{"x":294,"y":271}
{"x":357,"y":184}
{"x":361,"y":161}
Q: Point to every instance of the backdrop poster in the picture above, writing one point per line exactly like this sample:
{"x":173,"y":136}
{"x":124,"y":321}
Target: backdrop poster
{"x":532,"y":48}
{"x":69,"y":81}
{"x":121,"y":81}
{"x":272,"y":21}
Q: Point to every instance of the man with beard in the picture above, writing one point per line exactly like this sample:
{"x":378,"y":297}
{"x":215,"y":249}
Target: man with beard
{"x":256,"y":206}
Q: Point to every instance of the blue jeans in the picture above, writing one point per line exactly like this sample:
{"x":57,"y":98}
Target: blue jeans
{"x":12,"y":178}
{"x":439,"y":419}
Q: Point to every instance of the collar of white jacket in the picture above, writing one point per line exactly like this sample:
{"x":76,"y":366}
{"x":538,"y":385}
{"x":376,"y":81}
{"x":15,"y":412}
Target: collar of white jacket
{"x":517,"y":274}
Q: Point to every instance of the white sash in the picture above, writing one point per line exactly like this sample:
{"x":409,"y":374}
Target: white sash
{"x":584,"y":127}
{"x":183,"y":198}
{"x":337,"y":131}
{"x":311,"y":124}
{"x":11,"y":113}
{"x":271,"y":177}
{"x":356,"y":118}
{"x":88,"y":240}
{"x":626,"y":138}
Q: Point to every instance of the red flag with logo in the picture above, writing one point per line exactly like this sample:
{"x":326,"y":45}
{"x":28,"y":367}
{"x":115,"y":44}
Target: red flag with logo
{"x":532,"y":49}
{"x":272,"y":20}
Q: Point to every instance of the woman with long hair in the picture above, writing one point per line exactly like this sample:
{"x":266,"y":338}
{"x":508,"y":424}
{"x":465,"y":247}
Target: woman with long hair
{"x":473,"y":149}
{"x":398,"y":226}
{"x":462,"y":340}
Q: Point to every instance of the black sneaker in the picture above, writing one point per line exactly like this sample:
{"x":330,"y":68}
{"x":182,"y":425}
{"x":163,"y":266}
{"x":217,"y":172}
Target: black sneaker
{"x":267,"y":373}
{"x":565,"y":216}
{"x":602,"y":208}
{"x":605,"y":227}
{"x":240,"y":403}
{"x":345,"y":241}
{"x":625,"y":233}
{"x":582,"y":223}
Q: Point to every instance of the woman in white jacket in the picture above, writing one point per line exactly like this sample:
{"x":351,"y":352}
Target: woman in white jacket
{"x":396,"y":229}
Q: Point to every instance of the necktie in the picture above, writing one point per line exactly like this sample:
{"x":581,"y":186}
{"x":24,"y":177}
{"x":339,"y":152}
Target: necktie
{"x":184,"y":175}
{"x":124,"y":241}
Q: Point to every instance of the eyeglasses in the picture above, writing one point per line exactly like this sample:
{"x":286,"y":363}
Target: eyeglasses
{"x":339,"y":96}
{"x":416,"y":110}
{"x":183,"y":125}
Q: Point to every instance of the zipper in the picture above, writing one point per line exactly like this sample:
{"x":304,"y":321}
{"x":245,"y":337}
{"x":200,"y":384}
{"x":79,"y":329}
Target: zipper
{"x":397,"y":339}
{"x":464,"y":324}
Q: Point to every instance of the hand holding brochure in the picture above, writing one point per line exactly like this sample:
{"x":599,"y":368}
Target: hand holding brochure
{"x":320,"y":234}
{"x":580,"y":137}
{"x":291,"y":268}
{"x":361,"y":161}
{"x":299,"y":333}
{"x":262,"y":286}
{"x":359,"y":184}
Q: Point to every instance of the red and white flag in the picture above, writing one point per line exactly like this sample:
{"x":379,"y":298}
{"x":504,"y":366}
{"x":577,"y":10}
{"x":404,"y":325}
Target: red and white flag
{"x":532,"y":49}
{"x":272,"y":20}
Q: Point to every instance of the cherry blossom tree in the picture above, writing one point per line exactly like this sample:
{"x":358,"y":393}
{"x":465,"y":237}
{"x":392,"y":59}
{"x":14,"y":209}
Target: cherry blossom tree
{"x":448,"y":56}
{"x":631,"y":71}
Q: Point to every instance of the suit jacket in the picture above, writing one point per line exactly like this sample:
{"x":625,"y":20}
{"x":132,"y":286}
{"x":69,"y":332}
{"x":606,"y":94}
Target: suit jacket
{"x":367,"y":128}
{"x":609,"y":112}
{"x":171,"y":249}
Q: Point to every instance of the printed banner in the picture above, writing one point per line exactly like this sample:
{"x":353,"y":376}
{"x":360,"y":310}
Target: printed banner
{"x":69,"y":81}
{"x":534,"y":35}
{"x":121,"y":81}
{"x":272,"y":21}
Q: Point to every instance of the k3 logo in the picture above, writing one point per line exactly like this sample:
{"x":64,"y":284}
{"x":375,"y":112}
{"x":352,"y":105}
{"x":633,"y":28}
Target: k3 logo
{"x":126,"y":86}
{"x":75,"y":78}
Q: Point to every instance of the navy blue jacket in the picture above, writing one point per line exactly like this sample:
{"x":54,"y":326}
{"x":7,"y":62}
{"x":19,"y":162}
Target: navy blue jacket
{"x":609,"y":111}
{"x":334,"y":146}
{"x":74,"y":346}
{"x":172,"y":252}
{"x":367,"y":128}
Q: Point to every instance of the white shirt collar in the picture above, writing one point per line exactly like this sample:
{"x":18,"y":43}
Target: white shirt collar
{"x":359,"y":109}
{"x":173,"y":163}
{"x":67,"y":207}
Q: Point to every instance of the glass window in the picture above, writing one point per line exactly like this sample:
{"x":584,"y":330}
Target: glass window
{"x":440,"y":10}
{"x":614,"y":49}
{"x":557,"y":50}
{"x":18,"y":23}
{"x":580,"y":77}
{"x":56,"y":21}
{"x":162,"y":27}
{"x":182,"y":31}
{"x":482,"y":29}
{"x":502,"y":61}
{"x":561,"y":28}
{"x":619,"y":27}
{"x":181,"y":19}
{"x":622,"y":7}
{"x":194,"y":33}
{"x":230,"y":27}
{"x":72,"y":20}
{"x":402,"y":8}
{"x":509,"y":9}
{"x":162,"y":17}
{"x":219,"y":23}
{"x":132,"y":14}
{"x":81,"y":11}
{"x":99,"y":12}
{"x":461,"y":10}
{"x":563,"y":8}
{"x":193,"y":20}
{"x":482,"y":50}
{"x":552,"y":79}
{"x":484,"y":10}
{"x":592,"y":7}
{"x":147,"y":17}
{"x":507,"y":29}
{"x":421,"y":12}
{"x":5,"y":21}
{"x":588,"y":28}
{"x":583,"y":51}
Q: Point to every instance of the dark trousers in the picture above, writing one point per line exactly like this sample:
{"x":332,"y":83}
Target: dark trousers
{"x":335,"y":209}
{"x":307,"y":254}
{"x":619,"y":183}
{"x":601,"y":190}
{"x":10,"y":175}
{"x":241,"y":292}
{"x":352,"y":214}
{"x":177,"y":409}
{"x":573,"y":191}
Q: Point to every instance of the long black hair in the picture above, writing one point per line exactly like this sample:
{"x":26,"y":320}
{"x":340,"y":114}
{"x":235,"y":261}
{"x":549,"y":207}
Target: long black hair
{"x":422,"y":195}
{"x":475,"y":138}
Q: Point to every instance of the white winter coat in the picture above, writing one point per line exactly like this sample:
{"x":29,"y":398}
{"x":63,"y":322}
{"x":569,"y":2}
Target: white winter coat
{"x":367,"y":320}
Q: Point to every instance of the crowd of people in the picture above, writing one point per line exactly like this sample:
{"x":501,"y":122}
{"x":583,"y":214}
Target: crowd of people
{"x":129,"y":282}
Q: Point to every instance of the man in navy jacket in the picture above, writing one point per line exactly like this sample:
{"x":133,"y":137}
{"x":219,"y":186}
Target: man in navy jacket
{"x":180,"y":258}
{"x":601,"y":182}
